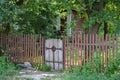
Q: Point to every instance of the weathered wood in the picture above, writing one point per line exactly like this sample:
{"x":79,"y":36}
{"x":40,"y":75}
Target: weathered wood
{"x":79,"y":49}
{"x":89,"y":47}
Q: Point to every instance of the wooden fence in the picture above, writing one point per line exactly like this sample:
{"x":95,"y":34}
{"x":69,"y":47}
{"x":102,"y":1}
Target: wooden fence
{"x":80,"y":49}
{"x":22,"y":48}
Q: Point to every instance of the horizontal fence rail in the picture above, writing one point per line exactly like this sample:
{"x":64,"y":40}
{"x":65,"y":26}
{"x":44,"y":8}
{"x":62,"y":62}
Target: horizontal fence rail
{"x":80,"y":49}
{"x":21,"y":48}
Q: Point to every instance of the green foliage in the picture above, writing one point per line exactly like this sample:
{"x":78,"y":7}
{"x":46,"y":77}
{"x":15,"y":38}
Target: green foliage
{"x":6,"y":67}
{"x":94,"y":71}
{"x":39,"y":16}
{"x":42,"y":67}
{"x":113,"y":67}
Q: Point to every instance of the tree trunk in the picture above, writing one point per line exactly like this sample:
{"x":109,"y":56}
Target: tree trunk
{"x":105,"y":29}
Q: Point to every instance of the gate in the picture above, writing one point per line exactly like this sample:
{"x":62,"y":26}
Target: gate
{"x":54,"y":53}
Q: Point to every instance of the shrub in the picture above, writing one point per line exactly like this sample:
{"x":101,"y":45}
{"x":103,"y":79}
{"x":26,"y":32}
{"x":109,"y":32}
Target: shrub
{"x":6,"y":67}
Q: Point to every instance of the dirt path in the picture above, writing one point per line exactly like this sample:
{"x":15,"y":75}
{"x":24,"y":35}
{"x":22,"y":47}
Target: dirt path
{"x":37,"y":75}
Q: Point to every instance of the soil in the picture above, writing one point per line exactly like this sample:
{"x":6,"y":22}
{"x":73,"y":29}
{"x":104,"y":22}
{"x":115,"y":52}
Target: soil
{"x":38,"y":75}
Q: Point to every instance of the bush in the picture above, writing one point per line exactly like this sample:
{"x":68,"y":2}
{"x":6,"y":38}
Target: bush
{"x":6,"y":67}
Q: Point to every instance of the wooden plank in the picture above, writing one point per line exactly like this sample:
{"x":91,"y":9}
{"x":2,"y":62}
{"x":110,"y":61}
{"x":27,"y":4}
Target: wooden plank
{"x":102,"y":52}
{"x":67,"y":51}
{"x":106,"y":49}
{"x":64,"y":53}
{"x":78,"y":42}
{"x":75,"y":50}
{"x":84,"y":48}
{"x":35,"y":43}
{"x":81,"y":49}
{"x":90,"y":42}
{"x":117,"y":45}
{"x":113,"y":42}
{"x":42,"y":50}
{"x":93,"y":41}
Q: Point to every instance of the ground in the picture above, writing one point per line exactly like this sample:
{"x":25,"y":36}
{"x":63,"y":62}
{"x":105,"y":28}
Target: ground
{"x":37,"y":75}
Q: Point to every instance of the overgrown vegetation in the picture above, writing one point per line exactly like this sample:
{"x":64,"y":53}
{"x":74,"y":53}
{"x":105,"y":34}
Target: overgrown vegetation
{"x":7,"y":68}
{"x":95,"y":71}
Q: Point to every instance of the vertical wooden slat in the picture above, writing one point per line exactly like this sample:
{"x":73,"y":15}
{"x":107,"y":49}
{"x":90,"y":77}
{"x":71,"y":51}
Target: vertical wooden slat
{"x":93,"y":46}
{"x":90,"y":48}
{"x":109,"y":52}
{"x":75,"y":50}
{"x":15,"y":47}
{"x":106,"y":49}
{"x":79,"y":54}
{"x":37,"y":49}
{"x":109,"y":42}
{"x":113,"y":42}
{"x":22,"y":44}
{"x":68,"y":52}
{"x":73,"y":44}
{"x":96,"y":46}
{"x":27,"y":47}
{"x":34,"y":48}
{"x":117,"y":45}
{"x":35,"y":45}
{"x":84,"y":48}
{"x":30,"y":37}
{"x":24,"y":47}
{"x":102,"y":50}
{"x":41,"y":47}
{"x":65,"y":53}
{"x":81,"y":46}
{"x":87,"y":54}
{"x":99,"y":43}
{"x":13,"y":40}
{"x":42,"y":50}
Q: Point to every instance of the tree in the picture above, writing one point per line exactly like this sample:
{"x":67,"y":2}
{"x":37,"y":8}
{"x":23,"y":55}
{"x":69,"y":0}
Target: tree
{"x":101,"y":13}
{"x":39,"y":16}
